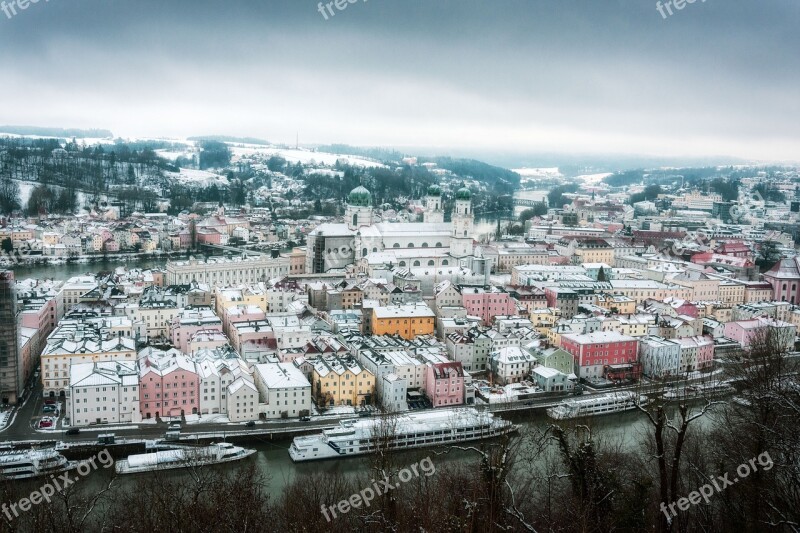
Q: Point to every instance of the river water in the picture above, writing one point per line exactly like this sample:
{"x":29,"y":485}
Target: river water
{"x":626,"y":430}
{"x":65,"y":271}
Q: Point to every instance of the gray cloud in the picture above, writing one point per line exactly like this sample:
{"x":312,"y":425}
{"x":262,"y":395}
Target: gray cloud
{"x":718,"y":77}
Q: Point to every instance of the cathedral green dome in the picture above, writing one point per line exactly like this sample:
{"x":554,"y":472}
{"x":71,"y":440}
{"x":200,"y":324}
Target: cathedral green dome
{"x":360,"y":196}
{"x":434,"y":190}
{"x":463,"y":194}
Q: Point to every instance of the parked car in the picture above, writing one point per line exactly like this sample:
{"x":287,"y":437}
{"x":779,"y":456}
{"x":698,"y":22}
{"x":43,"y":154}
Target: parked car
{"x":73,"y":431}
{"x":50,"y":402}
{"x":305,"y":419}
{"x":45,"y":423}
{"x":49,"y":409}
{"x":175,"y":426}
{"x":250,"y":423}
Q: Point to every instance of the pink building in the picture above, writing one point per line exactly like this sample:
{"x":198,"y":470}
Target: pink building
{"x":208,"y":236}
{"x":444,"y":384}
{"x":169,"y":384}
{"x":744,"y":331}
{"x":185,"y":237}
{"x":696,"y":353}
{"x":487,"y":305}
{"x":190,"y":322}
{"x":784,"y":277}
{"x":240,"y":313}
{"x":602,"y":352}
{"x":252,"y":334}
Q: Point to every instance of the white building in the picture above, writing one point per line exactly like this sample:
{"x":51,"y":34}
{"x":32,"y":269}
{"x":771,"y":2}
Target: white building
{"x":219,"y":370}
{"x":551,"y":380}
{"x":284,"y":390}
{"x":659,"y":356}
{"x":224,"y":272}
{"x":242,"y":401}
{"x":393,"y":393}
{"x":511,"y":364}
{"x":336,"y":246}
{"x":103,"y":393}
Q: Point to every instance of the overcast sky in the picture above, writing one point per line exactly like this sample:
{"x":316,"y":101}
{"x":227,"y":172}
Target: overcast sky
{"x":720,"y":77}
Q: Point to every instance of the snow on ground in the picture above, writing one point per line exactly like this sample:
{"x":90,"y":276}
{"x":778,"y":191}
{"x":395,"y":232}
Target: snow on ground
{"x":304,"y":156}
{"x":525,"y":172}
{"x":198,"y":177}
{"x":593,"y":178}
{"x":341,"y":410}
{"x":4,"y":418}
{"x":26,"y":187}
{"x":172,"y":156}
{"x":207,"y":419}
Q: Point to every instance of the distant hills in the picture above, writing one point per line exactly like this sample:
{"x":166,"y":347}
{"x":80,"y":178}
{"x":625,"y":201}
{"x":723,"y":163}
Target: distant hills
{"x":230,"y":139}
{"x":56,"y":132}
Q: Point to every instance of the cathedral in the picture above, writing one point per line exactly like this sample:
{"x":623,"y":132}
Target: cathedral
{"x":360,"y":239}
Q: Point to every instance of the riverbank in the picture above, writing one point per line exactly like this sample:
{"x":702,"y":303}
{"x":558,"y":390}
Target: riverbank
{"x":48,"y":268}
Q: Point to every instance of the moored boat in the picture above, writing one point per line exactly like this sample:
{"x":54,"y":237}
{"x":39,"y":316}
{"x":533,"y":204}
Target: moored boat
{"x":700,"y":390}
{"x":600,"y":404}
{"x":213,"y":454}
{"x":27,"y":464}
{"x":398,"y":432}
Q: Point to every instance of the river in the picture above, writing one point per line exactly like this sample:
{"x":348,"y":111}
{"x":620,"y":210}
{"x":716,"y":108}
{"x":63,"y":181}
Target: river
{"x":63,"y":272}
{"x":625,"y":430}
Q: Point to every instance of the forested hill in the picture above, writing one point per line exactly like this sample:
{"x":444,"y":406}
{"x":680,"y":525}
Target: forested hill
{"x":56,"y":132}
{"x":120,"y":169}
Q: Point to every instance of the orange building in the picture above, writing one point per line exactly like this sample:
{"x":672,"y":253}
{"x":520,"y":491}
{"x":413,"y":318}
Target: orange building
{"x":407,"y":321}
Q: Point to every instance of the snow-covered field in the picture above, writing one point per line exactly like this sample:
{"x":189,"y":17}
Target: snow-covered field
{"x":198,"y":177}
{"x":304,"y":156}
{"x":172,"y":156}
{"x":525,"y":172}
{"x":591,"y":179}
{"x":26,"y":187}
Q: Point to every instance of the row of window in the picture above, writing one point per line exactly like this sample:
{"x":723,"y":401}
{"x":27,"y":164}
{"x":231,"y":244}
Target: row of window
{"x":165,"y":404}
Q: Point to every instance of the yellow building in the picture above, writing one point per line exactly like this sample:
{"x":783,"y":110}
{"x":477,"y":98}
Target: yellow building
{"x":241,"y":296}
{"x":617,"y":303}
{"x":544,"y":319}
{"x":731,"y":292}
{"x":341,"y":381}
{"x":407,"y":321}
{"x":71,"y":344}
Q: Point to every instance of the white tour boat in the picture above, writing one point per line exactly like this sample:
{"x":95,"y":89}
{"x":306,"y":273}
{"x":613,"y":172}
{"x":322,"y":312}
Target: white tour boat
{"x":26,"y":464}
{"x":213,"y":454}
{"x":600,"y":404}
{"x":399,"y":432}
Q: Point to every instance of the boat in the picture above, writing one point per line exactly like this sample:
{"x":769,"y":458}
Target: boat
{"x":213,"y":454}
{"x":399,"y":432}
{"x":601,"y":404}
{"x":27,"y":464}
{"x":700,"y":390}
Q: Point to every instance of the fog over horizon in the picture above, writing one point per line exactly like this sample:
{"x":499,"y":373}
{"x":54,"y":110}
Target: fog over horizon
{"x":511,"y":77}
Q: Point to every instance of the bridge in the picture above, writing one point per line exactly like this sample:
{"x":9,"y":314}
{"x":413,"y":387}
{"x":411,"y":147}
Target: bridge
{"x":525,"y":202}
{"x":233,"y":249}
